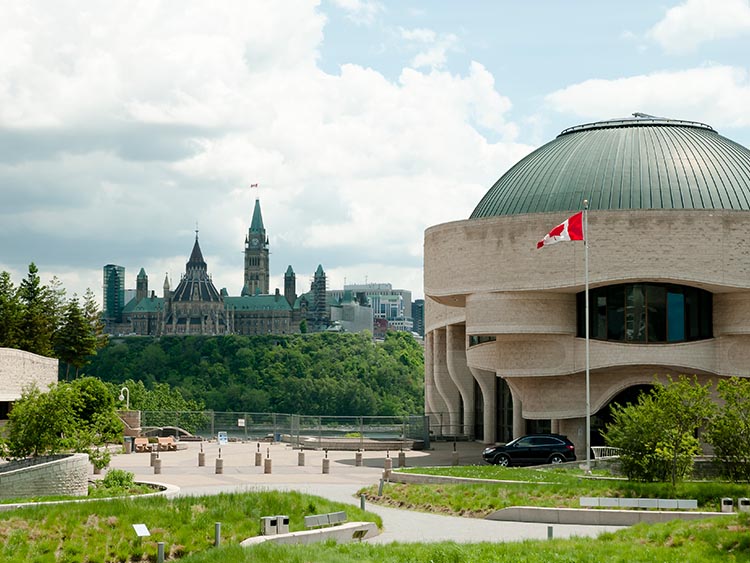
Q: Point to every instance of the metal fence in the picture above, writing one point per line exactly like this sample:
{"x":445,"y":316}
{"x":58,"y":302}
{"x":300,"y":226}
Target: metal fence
{"x":300,"y":430}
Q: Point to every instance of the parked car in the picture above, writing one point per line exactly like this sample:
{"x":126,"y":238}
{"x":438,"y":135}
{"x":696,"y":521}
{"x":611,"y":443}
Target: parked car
{"x":534,"y":449}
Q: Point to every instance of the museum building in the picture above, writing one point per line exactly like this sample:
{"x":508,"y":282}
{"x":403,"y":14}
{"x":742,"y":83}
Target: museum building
{"x":669,"y":277}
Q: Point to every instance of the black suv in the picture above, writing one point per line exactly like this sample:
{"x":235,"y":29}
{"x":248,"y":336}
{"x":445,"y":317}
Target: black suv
{"x":534,"y":449}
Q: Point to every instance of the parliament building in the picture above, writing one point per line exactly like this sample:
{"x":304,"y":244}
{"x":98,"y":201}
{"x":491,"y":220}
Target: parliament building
{"x":195,"y":306}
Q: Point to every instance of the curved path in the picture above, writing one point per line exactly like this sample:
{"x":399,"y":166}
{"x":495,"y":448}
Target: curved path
{"x":180,"y":468}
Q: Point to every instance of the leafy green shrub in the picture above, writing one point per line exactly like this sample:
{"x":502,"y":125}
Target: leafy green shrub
{"x":118,"y":479}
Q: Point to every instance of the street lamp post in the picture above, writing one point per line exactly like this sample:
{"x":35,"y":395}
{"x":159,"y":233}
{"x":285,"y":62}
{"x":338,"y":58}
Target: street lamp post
{"x":125,"y":397}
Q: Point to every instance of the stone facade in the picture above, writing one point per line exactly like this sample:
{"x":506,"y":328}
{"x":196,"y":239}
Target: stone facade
{"x":57,"y":475}
{"x":498,"y":284}
{"x":19,"y":370}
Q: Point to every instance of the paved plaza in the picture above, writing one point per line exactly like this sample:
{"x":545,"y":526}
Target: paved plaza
{"x":180,"y":468}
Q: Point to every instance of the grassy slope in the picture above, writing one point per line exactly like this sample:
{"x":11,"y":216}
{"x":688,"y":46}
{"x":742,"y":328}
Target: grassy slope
{"x":102,"y":531}
{"x":708,"y":541}
{"x":555,"y":488}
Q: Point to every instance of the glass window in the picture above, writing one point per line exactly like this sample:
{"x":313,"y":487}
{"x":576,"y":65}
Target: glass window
{"x":656,"y":297}
{"x":675,"y":316}
{"x":615,"y":313}
{"x":647,"y":313}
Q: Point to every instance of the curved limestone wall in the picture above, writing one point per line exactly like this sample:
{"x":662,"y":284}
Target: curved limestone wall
{"x":54,"y":475}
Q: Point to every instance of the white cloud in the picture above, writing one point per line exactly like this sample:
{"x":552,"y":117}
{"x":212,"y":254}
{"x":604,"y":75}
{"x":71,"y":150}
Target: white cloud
{"x":361,"y":12}
{"x":130,"y":122}
{"x":433,"y":47}
{"x":686,"y":26}
{"x":718,"y":95}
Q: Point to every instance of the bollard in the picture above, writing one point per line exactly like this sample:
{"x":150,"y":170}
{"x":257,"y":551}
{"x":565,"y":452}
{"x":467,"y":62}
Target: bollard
{"x":549,"y":532}
{"x":219,"y":466}
{"x":153,"y":458}
{"x":362,"y":501}
{"x":217,"y":534}
{"x":160,"y":552}
{"x":157,"y":466}
{"x":358,"y":459}
{"x":326,"y":465}
{"x":454,"y":458}
{"x":380,"y":488}
{"x":402,"y":459}
{"x":201,"y":459}
{"x":267,"y":465}
{"x":301,"y":459}
{"x":258,"y":458}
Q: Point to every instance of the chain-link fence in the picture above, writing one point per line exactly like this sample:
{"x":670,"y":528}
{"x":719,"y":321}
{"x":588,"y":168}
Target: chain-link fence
{"x":364,"y":432}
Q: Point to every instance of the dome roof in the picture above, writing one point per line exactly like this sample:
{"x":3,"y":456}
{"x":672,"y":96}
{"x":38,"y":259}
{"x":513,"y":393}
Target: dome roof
{"x":634,"y":163}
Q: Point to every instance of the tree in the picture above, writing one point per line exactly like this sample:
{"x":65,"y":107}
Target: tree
{"x":75,"y":342}
{"x":658,"y":435}
{"x":94,"y":317}
{"x":10,"y":312}
{"x":729,"y":432}
{"x":78,"y":416}
{"x":37,"y":325}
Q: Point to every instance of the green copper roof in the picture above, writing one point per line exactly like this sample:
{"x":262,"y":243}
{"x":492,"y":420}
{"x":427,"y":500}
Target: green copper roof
{"x":145,"y":305}
{"x":642,"y":163}
{"x":142,"y":274}
{"x":256,"y":225}
{"x":257,"y":303}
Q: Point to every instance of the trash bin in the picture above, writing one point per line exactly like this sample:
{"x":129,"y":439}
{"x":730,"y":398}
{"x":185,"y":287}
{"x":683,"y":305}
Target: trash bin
{"x":743,"y":504}
{"x":268,"y":525}
{"x":727,"y":505}
{"x":127,"y":444}
{"x":282,"y":524}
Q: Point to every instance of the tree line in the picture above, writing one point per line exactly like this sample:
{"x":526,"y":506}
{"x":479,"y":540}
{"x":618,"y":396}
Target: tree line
{"x":41,"y":319}
{"x":321,"y":373}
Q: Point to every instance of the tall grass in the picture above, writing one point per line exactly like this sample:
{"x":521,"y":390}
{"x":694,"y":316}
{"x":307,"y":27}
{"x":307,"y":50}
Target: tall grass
{"x":707,"y":541}
{"x":530,"y":487}
{"x":102,"y":531}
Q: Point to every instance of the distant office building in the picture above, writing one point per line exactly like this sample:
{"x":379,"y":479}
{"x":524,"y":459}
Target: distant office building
{"x":114,"y":294}
{"x":401,"y":324}
{"x":417,"y":315}
{"x":387,"y":303}
{"x":352,"y":313}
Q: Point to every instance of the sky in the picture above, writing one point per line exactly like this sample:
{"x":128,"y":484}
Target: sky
{"x":127,"y":125}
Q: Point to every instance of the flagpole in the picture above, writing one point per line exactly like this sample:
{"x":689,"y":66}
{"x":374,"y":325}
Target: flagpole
{"x":588,"y":379}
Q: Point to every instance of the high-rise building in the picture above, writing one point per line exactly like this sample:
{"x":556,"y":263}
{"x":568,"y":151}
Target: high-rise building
{"x":114,"y":294}
{"x":417,"y":315}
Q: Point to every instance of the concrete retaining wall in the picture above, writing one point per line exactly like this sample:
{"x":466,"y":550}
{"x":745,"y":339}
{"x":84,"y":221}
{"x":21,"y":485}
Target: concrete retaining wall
{"x":45,"y":476}
{"x":19,"y":369}
{"x":344,"y":533}
{"x":594,"y":516}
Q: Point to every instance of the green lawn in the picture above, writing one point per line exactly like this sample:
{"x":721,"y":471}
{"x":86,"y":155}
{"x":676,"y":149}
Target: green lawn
{"x":717,"y":540}
{"x":532,"y":487}
{"x":102,"y":530}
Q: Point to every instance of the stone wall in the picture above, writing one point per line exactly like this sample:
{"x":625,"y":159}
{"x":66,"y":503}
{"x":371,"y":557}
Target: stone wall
{"x":55,"y":475}
{"x":19,"y":369}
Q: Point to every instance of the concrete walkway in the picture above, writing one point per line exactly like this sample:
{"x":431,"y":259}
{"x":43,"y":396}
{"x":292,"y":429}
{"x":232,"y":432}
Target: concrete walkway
{"x":181,"y":469}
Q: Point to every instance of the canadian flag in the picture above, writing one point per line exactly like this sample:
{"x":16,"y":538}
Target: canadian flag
{"x":572,"y":229}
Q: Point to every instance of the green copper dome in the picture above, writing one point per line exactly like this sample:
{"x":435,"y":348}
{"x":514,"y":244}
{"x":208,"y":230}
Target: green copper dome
{"x":640,"y":163}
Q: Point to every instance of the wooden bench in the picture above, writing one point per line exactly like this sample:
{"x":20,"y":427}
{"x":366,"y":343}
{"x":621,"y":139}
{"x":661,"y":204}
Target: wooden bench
{"x":142,"y":445}
{"x":167,"y":444}
{"x":657,"y":503}
{"x":330,"y":519}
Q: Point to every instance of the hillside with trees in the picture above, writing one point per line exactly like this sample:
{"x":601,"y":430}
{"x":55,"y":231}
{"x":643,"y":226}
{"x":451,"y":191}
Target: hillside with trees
{"x":323,"y":373}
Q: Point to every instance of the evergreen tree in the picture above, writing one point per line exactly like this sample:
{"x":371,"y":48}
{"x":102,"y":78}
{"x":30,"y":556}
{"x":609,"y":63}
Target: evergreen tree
{"x":10,"y":312}
{"x":75,"y":342}
{"x":36,"y":326}
{"x":94,"y":317}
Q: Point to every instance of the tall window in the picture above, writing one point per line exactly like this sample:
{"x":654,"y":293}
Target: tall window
{"x":647,"y":313}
